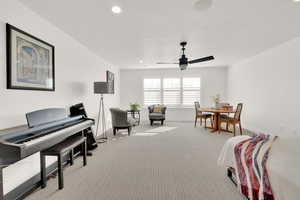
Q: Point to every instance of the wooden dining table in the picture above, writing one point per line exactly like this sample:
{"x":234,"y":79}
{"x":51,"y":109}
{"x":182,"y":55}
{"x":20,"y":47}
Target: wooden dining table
{"x":217,"y":112}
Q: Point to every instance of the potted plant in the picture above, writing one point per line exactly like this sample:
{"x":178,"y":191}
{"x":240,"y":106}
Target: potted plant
{"x":134,"y":106}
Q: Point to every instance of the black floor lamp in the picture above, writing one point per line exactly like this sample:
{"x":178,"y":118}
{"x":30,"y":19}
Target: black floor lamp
{"x":101,"y":88}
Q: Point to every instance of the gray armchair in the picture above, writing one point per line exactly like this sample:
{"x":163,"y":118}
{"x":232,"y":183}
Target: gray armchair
{"x":120,"y":120}
{"x":157,"y":116}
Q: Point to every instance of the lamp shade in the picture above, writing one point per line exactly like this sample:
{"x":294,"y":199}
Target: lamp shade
{"x":101,"y":88}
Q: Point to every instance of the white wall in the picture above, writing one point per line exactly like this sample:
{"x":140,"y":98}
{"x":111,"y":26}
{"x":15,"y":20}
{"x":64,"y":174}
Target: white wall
{"x":213,"y":81}
{"x":76,"y":68}
{"x":269,"y":84}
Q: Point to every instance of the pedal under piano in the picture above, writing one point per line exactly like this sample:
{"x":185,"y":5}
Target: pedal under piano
{"x":44,"y":129}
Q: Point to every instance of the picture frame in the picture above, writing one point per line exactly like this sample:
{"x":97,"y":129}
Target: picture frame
{"x":110,"y":79}
{"x":30,"y":61}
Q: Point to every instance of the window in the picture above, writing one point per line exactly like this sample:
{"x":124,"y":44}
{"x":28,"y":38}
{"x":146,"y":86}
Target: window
{"x":190,"y":90}
{"x":152,"y":91}
{"x":171,"y":91}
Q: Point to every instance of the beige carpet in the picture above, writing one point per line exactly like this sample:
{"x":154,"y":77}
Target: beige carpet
{"x":179,"y":164}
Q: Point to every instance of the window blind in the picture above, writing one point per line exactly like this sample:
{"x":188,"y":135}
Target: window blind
{"x":190,"y":90}
{"x":171,"y":91}
{"x":152,"y":91}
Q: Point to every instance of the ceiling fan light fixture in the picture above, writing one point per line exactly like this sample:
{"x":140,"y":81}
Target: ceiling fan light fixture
{"x":183,"y":66}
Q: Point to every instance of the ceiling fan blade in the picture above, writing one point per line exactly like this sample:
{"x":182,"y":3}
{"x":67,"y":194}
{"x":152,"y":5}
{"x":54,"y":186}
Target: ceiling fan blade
{"x":204,"y":59}
{"x":166,"y":63}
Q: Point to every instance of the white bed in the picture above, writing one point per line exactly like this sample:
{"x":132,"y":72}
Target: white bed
{"x":283,"y":165}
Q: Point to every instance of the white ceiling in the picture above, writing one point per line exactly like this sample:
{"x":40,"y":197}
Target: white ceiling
{"x":150,"y":30}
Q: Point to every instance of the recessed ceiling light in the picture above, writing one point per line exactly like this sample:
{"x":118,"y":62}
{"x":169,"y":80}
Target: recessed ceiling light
{"x":202,"y":5}
{"x":141,"y":61}
{"x":296,"y":0}
{"x":116,"y":9}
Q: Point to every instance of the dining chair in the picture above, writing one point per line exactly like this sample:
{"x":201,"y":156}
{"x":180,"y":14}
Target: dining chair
{"x":199,"y":114}
{"x":236,"y":119}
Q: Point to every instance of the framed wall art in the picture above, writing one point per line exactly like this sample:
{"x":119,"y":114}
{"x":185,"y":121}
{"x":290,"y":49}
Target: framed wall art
{"x":110,"y":78}
{"x":30,"y":61}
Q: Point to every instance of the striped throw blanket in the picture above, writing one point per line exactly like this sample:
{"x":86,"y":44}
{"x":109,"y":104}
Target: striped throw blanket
{"x":251,"y":156}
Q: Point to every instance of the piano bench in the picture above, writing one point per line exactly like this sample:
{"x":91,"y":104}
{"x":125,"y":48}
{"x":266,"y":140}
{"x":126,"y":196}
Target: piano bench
{"x":60,"y":150}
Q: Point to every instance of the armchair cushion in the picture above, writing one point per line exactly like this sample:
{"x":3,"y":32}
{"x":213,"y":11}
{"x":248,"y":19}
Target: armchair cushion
{"x":157,"y":116}
{"x":157,"y":109}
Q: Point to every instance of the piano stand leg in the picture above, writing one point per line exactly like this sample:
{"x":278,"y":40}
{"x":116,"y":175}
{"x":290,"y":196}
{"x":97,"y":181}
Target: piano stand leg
{"x":72,"y":157}
{"x":1,"y":184}
{"x":43,"y":170}
{"x":84,"y":152}
{"x":60,"y":173}
{"x":88,"y":153}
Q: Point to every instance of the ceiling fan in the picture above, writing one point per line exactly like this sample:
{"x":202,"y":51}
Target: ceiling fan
{"x":183,"y":61}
